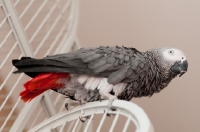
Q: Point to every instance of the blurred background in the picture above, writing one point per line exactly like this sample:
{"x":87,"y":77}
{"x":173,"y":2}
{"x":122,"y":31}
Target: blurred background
{"x":145,"y":24}
{"x":45,"y":27}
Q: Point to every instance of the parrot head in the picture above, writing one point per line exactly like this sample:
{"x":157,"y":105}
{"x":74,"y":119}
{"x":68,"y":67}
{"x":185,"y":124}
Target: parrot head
{"x":179,"y":60}
{"x":172,"y":59}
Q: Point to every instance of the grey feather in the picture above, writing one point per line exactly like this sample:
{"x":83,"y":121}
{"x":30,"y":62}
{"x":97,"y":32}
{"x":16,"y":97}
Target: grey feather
{"x":102,"y":68}
{"x":111,"y":60}
{"x":126,"y":58}
{"x":96,"y":64}
{"x":121,"y":61}
{"x":116,"y":62}
{"x":91,"y":57}
{"x":134,"y":64}
{"x":117,"y":76}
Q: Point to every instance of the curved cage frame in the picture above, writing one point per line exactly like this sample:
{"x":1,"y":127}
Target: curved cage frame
{"x":130,"y":110}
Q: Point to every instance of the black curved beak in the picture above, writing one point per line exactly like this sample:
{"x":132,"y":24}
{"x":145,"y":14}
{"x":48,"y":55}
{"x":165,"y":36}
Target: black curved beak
{"x":180,"y":67}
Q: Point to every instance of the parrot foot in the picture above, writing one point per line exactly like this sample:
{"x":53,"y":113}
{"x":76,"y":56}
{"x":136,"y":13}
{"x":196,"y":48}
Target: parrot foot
{"x":110,"y":97}
{"x":83,"y":118}
{"x":71,"y":103}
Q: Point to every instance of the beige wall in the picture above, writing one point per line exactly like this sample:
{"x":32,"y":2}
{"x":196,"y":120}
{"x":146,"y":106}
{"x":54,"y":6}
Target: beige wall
{"x":146,"y":24}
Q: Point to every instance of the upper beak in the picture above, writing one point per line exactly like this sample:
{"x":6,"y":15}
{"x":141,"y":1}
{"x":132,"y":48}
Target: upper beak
{"x":180,"y":67}
{"x":183,"y":67}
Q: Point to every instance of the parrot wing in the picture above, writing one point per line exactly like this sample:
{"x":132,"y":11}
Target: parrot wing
{"x":118,"y":64}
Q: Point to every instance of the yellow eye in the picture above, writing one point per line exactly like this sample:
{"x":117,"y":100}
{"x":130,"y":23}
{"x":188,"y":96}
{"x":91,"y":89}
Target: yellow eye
{"x":171,"y":52}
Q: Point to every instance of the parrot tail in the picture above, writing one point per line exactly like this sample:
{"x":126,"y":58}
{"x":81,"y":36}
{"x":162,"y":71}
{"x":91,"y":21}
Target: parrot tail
{"x":41,"y":83}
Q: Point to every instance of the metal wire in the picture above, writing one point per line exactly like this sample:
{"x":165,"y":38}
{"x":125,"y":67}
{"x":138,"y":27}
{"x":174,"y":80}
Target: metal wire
{"x":71,"y":124}
{"x":36,"y":117}
{"x":63,"y":104}
{"x":15,"y":4}
{"x":76,"y":125}
{"x":89,"y":123}
{"x":25,"y":10}
{"x":2,"y":43}
{"x":62,"y":127}
{"x":102,"y":121}
{"x":43,"y":22}
{"x":127,"y":124}
{"x":5,"y":80}
{"x":36,"y":14}
{"x":50,"y":30}
{"x":57,"y":99}
{"x":114,"y":122}
{"x":6,"y":120}
{"x":4,"y":20}
{"x":9,"y":53}
{"x":10,"y":92}
{"x":57,"y":38}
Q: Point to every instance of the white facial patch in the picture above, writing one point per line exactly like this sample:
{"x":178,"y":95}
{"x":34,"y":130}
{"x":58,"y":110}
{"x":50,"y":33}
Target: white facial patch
{"x":173,"y":54}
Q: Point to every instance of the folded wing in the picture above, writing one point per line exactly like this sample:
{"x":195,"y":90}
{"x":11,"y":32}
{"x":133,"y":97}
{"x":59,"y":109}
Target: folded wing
{"x":118,"y":64}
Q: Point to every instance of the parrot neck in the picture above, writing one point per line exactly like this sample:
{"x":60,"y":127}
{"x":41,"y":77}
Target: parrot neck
{"x":155,"y":56}
{"x":156,"y":79}
{"x":158,"y":71}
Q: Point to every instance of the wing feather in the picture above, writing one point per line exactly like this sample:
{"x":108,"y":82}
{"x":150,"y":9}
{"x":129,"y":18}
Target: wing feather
{"x":118,"y":64}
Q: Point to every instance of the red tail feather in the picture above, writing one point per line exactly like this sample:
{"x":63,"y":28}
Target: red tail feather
{"x":41,"y":83}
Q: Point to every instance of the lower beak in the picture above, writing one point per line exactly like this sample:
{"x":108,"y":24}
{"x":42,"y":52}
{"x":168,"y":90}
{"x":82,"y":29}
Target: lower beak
{"x":180,"y":68}
{"x":182,"y":72}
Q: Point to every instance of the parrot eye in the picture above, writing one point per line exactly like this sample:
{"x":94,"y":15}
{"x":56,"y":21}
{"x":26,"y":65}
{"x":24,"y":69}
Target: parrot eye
{"x":171,"y":52}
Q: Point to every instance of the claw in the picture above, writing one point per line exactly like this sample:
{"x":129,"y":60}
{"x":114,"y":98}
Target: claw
{"x":113,"y":108}
{"x":83,"y":119}
{"x":109,"y":114}
{"x":66,"y":106}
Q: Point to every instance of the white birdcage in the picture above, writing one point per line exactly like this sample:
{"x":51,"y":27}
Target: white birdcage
{"x":37,"y":28}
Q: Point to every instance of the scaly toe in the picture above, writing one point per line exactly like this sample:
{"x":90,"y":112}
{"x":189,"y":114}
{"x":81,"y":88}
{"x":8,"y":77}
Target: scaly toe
{"x":111,"y":102}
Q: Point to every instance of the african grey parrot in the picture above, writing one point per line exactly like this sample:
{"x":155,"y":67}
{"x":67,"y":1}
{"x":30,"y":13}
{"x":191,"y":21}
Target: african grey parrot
{"x":91,"y":74}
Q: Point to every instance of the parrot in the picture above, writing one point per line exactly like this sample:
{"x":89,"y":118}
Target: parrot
{"x":102,"y":73}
